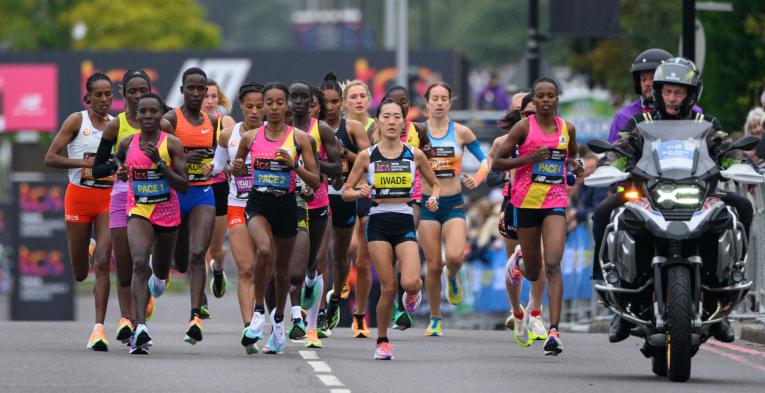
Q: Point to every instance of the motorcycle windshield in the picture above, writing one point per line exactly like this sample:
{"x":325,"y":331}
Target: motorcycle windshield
{"x":675,"y":149}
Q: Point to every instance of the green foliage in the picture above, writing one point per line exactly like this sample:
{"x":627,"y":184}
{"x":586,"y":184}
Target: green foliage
{"x":111,"y":25}
{"x":645,"y":24}
{"x":733,"y":73}
{"x":486,"y":32}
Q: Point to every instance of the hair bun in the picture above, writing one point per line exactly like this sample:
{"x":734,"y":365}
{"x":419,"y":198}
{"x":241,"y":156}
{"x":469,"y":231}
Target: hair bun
{"x":330,"y":77}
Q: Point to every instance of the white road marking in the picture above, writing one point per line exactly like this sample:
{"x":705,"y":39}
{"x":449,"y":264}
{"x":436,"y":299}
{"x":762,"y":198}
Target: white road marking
{"x":309,"y":355}
{"x":329,"y":380}
{"x":320,"y":367}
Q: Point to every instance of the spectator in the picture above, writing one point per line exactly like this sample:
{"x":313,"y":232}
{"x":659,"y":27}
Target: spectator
{"x":493,"y":96}
{"x":754,"y":119}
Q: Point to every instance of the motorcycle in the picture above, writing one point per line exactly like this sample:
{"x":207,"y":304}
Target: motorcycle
{"x":673,"y":257}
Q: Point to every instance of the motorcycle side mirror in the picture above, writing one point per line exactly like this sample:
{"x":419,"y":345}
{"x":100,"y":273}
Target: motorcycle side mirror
{"x":600,"y":146}
{"x":748,"y":142}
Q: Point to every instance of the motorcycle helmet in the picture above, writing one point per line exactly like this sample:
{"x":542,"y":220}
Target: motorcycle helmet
{"x":647,"y":60}
{"x":678,"y":71}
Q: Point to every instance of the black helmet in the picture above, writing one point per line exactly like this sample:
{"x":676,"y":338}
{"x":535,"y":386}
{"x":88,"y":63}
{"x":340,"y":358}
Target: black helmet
{"x":647,"y":60}
{"x":678,"y":71}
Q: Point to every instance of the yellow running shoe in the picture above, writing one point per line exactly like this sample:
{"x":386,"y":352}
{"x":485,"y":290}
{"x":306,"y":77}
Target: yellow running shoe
{"x":312,"y":339}
{"x":97,"y":340}
{"x":434,"y":327}
{"x":360,"y":329}
{"x":194,"y":334}
{"x":150,"y":308}
{"x":124,"y":330}
{"x":346,"y":289}
{"x":454,"y":288}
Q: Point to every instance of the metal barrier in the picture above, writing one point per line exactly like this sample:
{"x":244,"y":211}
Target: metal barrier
{"x":755,"y":267}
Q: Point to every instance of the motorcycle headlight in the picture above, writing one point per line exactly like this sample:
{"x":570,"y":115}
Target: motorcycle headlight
{"x":681,"y":196}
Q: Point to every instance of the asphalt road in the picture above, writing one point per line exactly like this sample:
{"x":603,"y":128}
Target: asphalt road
{"x":51,"y":356}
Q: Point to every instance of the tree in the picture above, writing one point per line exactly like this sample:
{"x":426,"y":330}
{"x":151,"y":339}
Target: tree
{"x":733,"y":73}
{"x":645,"y":24}
{"x":110,"y":25}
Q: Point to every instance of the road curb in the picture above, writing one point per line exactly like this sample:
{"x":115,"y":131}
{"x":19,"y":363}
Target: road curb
{"x":753,"y":332}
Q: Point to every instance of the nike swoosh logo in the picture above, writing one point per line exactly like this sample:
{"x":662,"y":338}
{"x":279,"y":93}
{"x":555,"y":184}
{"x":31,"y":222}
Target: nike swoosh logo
{"x":207,"y":189}
{"x":205,"y":131}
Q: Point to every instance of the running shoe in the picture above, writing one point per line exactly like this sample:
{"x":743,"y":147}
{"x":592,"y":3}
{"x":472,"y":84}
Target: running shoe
{"x":454,"y":288}
{"x":277,"y":341}
{"x":249,"y":341}
{"x":124,"y":330}
{"x":253,"y":333}
{"x":411,"y":302}
{"x":297,"y":331}
{"x":402,"y":320}
{"x":510,"y":321}
{"x":321,"y":323}
{"x":383,"y":351}
{"x":537,"y":330}
{"x":512,"y":270}
{"x":309,"y":296}
{"x":521,"y":329}
{"x":218,"y":283}
{"x":150,"y":308}
{"x":553,"y":345}
{"x":360,"y":329}
{"x":346,"y":288}
{"x":333,"y":310}
{"x":140,"y":341}
{"x":97,"y":340}
{"x":434,"y":328}
{"x":194,"y":334}
{"x":156,"y":286}
{"x":204,"y":309}
{"x":312,"y":339}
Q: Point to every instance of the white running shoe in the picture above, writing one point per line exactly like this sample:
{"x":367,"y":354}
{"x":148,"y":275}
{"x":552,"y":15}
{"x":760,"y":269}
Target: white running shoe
{"x":521,"y":330}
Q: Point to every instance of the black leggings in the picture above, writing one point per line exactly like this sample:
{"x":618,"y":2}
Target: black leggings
{"x":601,"y":217}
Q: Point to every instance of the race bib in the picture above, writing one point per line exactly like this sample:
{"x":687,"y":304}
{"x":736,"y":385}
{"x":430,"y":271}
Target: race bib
{"x":86,"y":176}
{"x":243,"y":184}
{"x":195,"y":169}
{"x":150,"y":186}
{"x":443,"y":161}
{"x":551,"y":171}
{"x":393,"y":179}
{"x":271,"y":176}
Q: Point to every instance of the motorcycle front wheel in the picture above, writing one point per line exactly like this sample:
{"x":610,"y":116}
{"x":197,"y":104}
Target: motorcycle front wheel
{"x":679,"y":318}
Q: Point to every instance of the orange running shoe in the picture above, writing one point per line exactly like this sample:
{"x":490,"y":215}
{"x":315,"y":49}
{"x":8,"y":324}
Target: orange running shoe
{"x":97,"y":340}
{"x":312,"y":339}
{"x":124,"y":330}
{"x":194,"y":334}
{"x":360,"y":329}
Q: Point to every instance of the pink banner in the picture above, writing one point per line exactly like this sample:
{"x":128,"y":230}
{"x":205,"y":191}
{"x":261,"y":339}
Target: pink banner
{"x":28,"y":97}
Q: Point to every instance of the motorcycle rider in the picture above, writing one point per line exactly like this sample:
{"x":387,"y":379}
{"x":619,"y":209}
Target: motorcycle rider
{"x":676,"y":88}
{"x":642,"y":77}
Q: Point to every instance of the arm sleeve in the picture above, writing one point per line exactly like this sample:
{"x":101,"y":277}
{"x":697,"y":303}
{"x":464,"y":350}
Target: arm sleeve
{"x":496,"y":178}
{"x":220,"y":160}
{"x":104,"y":165}
{"x":475,"y":149}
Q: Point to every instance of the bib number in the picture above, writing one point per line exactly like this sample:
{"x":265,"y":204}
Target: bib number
{"x":86,"y":176}
{"x":444,"y":161}
{"x":550,"y":171}
{"x":195,"y":169}
{"x":271,"y":176}
{"x":393,"y":179}
{"x":150,"y":186}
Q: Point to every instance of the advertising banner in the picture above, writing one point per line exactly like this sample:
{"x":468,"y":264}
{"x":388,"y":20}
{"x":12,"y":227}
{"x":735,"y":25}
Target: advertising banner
{"x":232,"y":68}
{"x":28,"y":97}
{"x":43,"y":288}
